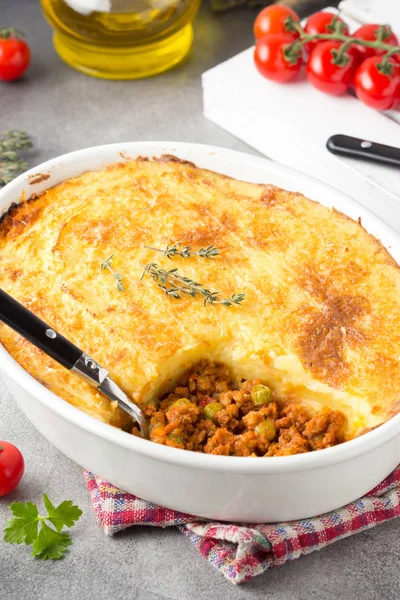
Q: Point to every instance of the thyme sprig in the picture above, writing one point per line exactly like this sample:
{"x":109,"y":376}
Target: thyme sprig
{"x":118,"y":278}
{"x":177,"y":286}
{"x":186,"y":251}
{"x":10,"y":162}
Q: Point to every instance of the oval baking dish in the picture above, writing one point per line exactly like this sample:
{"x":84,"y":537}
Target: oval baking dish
{"x":218,"y":487}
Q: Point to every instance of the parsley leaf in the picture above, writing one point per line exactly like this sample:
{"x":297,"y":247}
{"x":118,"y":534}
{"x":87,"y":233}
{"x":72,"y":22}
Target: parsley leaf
{"x":50,"y":544}
{"x":27,"y":526}
{"x":65,"y":514}
{"x":23,"y":527}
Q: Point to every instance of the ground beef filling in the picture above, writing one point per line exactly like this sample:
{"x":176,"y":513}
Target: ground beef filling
{"x":205,"y":413}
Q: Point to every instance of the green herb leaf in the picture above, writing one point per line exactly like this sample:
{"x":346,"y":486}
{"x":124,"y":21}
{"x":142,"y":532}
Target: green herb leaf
{"x":23,"y":527}
{"x":186,"y":251}
{"x":118,"y":278}
{"x":171,"y":283}
{"x":27,"y":526}
{"x":66,"y":514}
{"x":10,"y":163}
{"x":50,"y":543}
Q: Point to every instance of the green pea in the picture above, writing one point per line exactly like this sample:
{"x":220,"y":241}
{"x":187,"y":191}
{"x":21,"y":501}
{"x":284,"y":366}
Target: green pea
{"x":181,"y":402}
{"x":211,"y":410}
{"x":260,"y":394}
{"x":176,"y":438}
{"x":266,"y":429}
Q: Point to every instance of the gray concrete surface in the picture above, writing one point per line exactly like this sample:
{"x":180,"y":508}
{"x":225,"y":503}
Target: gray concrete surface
{"x":65,"y":110}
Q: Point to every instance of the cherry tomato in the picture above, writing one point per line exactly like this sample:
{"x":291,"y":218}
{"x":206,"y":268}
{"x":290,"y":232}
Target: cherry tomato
{"x":272,"y":20}
{"x":321,"y":22}
{"x":270,"y":60}
{"x":368,"y":32}
{"x":326,"y":76}
{"x":11,"y":467}
{"x":396,"y":58}
{"x":373,"y":87}
{"x":14,"y":55}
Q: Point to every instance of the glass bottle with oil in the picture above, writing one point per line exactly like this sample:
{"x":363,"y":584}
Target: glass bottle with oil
{"x":122,"y":39}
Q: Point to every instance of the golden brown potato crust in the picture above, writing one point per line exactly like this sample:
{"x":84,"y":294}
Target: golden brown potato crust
{"x":320,"y":322}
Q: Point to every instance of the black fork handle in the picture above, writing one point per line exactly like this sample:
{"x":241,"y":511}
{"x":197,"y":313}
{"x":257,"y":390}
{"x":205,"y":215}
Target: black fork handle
{"x":27,"y":324}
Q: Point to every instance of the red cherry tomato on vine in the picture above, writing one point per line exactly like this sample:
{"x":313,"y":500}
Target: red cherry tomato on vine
{"x":368,"y":33}
{"x":326,"y":76}
{"x":321,"y":22}
{"x":14,"y":55}
{"x":270,"y":60}
{"x":373,"y":87}
{"x":11,"y":468}
{"x":272,"y":20}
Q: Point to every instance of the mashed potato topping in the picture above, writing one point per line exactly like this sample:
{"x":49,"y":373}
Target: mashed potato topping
{"x":319,"y":325}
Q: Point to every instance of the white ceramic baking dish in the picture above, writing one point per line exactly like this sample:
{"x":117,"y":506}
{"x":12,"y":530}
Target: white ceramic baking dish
{"x":218,"y":487}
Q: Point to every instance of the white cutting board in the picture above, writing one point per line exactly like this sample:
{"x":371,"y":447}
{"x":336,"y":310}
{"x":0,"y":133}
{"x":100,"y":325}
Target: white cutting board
{"x":291,"y":124}
{"x":373,"y":11}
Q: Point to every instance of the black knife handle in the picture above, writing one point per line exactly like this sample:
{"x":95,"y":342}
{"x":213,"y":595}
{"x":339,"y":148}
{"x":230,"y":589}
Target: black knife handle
{"x":22,"y":320}
{"x":365,"y":149}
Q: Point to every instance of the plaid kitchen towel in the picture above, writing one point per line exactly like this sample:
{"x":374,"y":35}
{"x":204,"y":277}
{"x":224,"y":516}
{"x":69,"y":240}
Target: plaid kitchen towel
{"x":240,"y":551}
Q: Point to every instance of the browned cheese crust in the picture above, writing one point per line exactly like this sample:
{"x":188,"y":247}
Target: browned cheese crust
{"x":320,"y":322}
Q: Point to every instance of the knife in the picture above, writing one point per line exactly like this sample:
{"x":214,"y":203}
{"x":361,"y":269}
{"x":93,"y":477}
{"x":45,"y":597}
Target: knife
{"x":346,"y":145}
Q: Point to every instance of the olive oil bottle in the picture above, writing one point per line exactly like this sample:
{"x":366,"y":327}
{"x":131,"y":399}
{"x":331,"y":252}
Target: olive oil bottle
{"x":121,"y":39}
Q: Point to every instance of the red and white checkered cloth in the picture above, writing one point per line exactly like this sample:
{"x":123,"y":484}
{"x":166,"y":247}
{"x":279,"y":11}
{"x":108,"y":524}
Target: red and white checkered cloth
{"x":240,"y":551}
